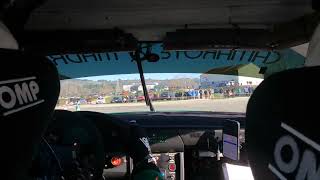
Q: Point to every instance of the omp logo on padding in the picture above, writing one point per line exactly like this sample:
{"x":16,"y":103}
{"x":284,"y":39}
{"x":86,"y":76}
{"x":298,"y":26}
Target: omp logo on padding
{"x":18,"y":94}
{"x":303,"y":162}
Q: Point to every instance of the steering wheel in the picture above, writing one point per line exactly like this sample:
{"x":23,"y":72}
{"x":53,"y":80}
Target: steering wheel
{"x":130,"y":139}
{"x":115,"y":131}
{"x":70,"y":129}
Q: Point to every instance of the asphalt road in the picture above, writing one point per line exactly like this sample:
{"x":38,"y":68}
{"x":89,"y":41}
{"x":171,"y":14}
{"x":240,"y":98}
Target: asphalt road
{"x":237,"y":104}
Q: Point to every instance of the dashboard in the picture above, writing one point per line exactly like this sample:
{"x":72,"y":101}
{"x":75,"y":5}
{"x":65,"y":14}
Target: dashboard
{"x":185,"y":144}
{"x":172,"y":132}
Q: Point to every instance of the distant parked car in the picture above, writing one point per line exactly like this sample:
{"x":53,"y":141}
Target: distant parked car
{"x":152,"y":97}
{"x":100,"y":100}
{"x":117,"y":99}
{"x":83,"y":101}
{"x":167,"y":96}
{"x":140,"y":98}
{"x":179,"y":94}
{"x":133,"y":99}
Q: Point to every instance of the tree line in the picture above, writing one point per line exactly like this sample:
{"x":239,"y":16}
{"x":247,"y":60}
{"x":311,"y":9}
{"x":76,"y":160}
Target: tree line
{"x":85,"y":88}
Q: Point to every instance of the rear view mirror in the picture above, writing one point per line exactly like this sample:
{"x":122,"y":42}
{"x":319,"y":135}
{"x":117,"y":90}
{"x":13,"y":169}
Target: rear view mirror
{"x":230,"y":138}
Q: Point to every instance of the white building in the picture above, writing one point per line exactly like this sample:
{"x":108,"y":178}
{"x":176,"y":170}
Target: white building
{"x":127,"y":87}
{"x":138,"y":87}
{"x":149,"y":87}
{"x":215,"y":80}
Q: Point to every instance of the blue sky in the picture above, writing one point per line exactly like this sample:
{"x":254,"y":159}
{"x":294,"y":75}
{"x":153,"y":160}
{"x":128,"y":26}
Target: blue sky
{"x":158,"y":76}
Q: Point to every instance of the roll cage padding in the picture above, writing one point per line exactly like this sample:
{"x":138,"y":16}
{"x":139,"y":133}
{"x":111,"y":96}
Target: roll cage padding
{"x":282,"y":120}
{"x":29,"y":90}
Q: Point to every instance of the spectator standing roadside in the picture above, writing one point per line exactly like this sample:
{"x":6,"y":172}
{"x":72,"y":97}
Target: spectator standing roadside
{"x":227,"y":93}
{"x":205,"y":92}
{"x":232,"y":92}
{"x":246,"y":90}
{"x":250,"y":90}
{"x":190,"y":93}
{"x":200,"y":92}
{"x":78,"y":106}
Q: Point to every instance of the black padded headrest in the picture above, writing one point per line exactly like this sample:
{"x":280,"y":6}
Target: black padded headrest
{"x":282,"y":126}
{"x":29,"y":90}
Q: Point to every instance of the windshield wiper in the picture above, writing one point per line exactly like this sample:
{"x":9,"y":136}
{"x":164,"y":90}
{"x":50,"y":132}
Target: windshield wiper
{"x":139,"y":60}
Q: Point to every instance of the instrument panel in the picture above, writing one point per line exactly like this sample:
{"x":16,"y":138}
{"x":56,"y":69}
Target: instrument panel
{"x":180,"y":139}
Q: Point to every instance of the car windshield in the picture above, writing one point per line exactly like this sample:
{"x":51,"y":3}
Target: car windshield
{"x":218,"y":80}
{"x":168,"y":92}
